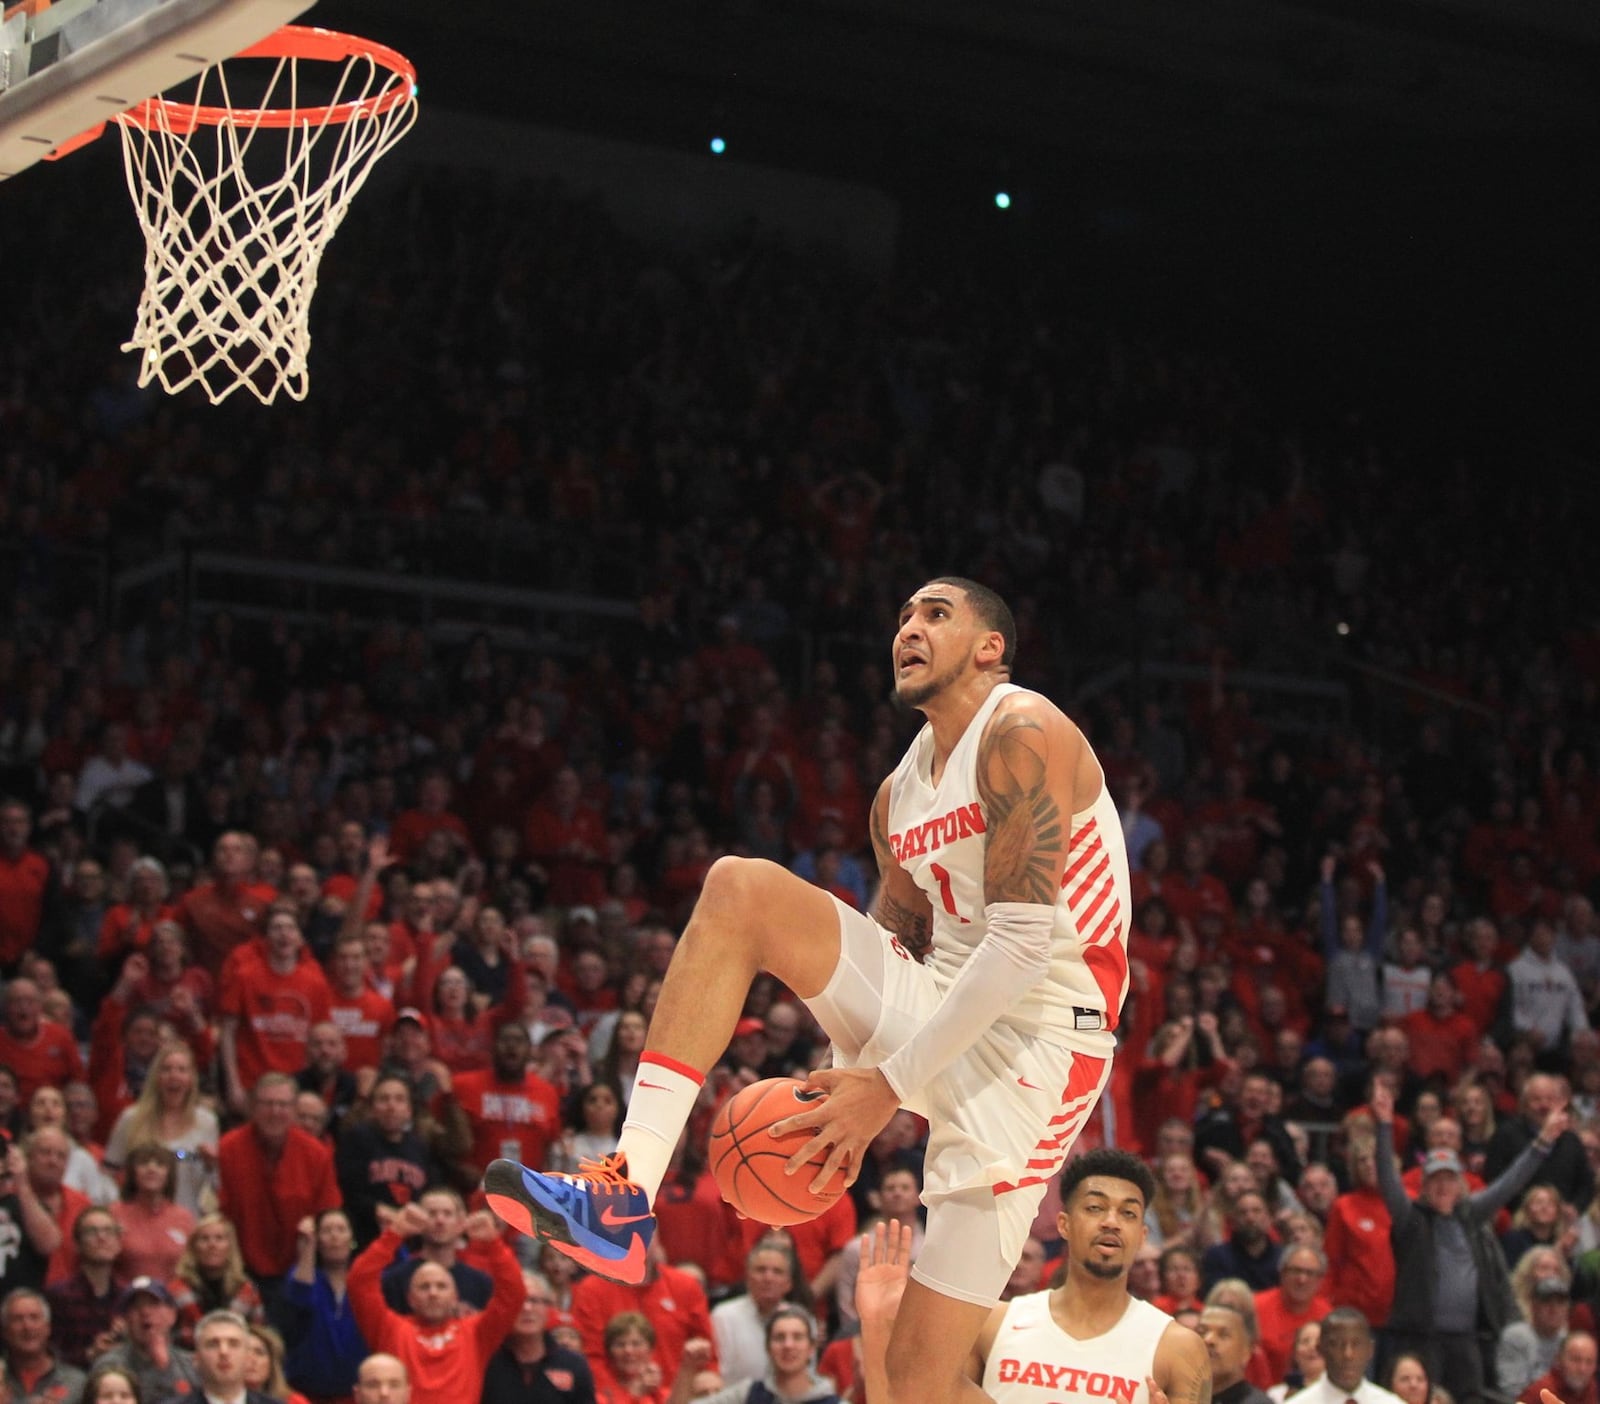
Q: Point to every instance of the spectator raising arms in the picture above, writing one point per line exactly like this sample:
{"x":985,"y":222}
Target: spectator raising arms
{"x":326,"y":1344}
{"x":445,"y":1353}
{"x":1450,"y":1276}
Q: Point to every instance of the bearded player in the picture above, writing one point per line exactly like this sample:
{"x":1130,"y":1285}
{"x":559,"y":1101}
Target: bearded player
{"x":1087,"y":1339}
{"x":982,"y":993}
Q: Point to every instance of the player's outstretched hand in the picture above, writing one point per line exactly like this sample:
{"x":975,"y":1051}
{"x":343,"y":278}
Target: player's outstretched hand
{"x":885,"y":1266}
{"x":1157,"y":1394}
{"x":1548,"y":1397}
{"x":858,"y":1106}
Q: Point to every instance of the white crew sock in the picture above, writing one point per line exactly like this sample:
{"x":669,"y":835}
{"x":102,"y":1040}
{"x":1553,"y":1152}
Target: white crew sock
{"x":664,"y":1093}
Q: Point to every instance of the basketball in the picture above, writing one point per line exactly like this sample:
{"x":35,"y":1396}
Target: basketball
{"x":748,"y":1160}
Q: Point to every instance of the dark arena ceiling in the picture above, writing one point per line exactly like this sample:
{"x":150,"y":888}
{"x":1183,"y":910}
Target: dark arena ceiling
{"x":884,"y":90}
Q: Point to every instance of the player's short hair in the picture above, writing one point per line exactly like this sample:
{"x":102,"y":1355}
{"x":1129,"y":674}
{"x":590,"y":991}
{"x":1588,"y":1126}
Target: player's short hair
{"x":993,"y":611}
{"x":1112,"y":1164}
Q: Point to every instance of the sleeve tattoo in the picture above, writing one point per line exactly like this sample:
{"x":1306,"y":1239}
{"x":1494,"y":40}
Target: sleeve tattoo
{"x":1026,"y":840}
{"x":913,"y":928}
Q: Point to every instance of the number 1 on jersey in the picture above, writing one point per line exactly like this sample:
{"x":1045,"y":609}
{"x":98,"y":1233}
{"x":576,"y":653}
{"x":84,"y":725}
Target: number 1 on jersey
{"x":942,"y":876}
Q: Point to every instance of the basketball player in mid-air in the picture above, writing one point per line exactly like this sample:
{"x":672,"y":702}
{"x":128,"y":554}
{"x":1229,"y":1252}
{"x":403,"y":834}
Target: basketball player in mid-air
{"x":982,"y":993}
{"x":1088,"y":1338}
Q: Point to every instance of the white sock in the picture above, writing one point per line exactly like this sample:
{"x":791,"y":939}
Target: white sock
{"x":664,"y":1093}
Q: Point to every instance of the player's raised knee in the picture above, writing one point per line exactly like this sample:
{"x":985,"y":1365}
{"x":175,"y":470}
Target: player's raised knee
{"x":729,"y":881}
{"x":748,"y":883}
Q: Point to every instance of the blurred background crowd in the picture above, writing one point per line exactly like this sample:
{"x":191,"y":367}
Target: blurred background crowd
{"x":306,"y":915}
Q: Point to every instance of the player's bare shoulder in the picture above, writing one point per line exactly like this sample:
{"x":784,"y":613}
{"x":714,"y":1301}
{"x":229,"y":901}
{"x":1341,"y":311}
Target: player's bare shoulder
{"x":1028,"y":762}
{"x":1181,"y":1368}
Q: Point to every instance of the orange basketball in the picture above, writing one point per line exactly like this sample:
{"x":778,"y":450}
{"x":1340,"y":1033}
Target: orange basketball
{"x":748,"y":1159}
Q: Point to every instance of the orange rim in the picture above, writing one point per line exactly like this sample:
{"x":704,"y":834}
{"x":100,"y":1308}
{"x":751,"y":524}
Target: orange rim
{"x":293,"y":41}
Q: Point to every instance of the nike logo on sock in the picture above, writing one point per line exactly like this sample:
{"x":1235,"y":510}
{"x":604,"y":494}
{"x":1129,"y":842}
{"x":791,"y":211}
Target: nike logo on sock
{"x":653,"y":1086}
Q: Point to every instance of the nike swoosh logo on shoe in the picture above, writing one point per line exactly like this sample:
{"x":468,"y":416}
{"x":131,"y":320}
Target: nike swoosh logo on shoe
{"x":628,"y":1269}
{"x":611,"y":1219}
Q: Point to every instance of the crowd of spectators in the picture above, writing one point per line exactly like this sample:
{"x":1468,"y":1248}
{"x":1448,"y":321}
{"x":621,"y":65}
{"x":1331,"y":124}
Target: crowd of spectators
{"x":303,"y":925}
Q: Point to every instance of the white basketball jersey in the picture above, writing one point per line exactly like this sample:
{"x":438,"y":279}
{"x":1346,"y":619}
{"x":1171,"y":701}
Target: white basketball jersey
{"x":937,"y":835}
{"x":1033,"y":1361}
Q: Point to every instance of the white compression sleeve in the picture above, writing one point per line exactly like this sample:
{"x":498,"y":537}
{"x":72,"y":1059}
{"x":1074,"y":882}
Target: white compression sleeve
{"x":1012,"y":958}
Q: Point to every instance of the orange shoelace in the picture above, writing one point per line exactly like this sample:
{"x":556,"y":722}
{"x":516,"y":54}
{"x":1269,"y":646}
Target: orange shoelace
{"x":606,"y":1174}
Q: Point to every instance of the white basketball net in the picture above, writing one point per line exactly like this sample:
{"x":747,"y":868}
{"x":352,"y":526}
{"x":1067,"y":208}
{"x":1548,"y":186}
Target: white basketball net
{"x":235,"y":229}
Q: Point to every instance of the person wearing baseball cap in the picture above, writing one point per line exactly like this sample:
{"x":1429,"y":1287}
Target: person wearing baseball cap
{"x":747,"y":1049}
{"x":411,"y":1055}
{"x":1451,"y":1280}
{"x":412,"y":1015}
{"x":1527,"y":1348}
{"x":146,"y":1352}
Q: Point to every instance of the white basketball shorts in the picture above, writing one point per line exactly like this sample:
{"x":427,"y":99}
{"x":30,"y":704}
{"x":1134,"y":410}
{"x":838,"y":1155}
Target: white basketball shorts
{"x":1002,"y":1116}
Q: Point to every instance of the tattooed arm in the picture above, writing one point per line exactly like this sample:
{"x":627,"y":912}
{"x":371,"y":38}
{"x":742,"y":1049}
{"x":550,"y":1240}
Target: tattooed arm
{"x":1027,"y":764}
{"x":901,"y":907}
{"x":1181,"y":1371}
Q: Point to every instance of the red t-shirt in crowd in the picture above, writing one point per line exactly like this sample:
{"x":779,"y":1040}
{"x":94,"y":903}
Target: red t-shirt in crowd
{"x":695,"y":1224}
{"x":365,"y":1022}
{"x":1360,"y":1260}
{"x":342,"y":887}
{"x":122,"y":930}
{"x":673,"y":1302}
{"x":217,"y":920}
{"x":275,"y":1014}
{"x":1440,"y":1045}
{"x":413,"y":828}
{"x":444,"y":1363}
{"x":1278,"y":1322}
{"x":815,"y":1241}
{"x":64,"y":1261}
{"x":510,"y":1121}
{"x":1187,"y":899}
{"x":24,"y":880}
{"x":1481,"y":992}
{"x":301,"y":1180}
{"x":574,"y":877}
{"x":49,"y":1059}
{"x":1551,"y":1380}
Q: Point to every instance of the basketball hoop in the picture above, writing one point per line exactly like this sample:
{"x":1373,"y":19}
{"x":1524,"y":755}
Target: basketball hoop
{"x":235,"y":228}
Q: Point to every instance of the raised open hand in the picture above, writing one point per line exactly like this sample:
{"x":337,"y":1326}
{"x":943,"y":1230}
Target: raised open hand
{"x":885,"y":1269}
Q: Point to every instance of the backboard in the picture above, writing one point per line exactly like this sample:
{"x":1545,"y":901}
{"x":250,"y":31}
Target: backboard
{"x":67,"y":66}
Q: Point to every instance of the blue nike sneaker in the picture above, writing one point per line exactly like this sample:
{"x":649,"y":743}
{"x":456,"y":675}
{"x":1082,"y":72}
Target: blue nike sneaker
{"x":598,"y":1217}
